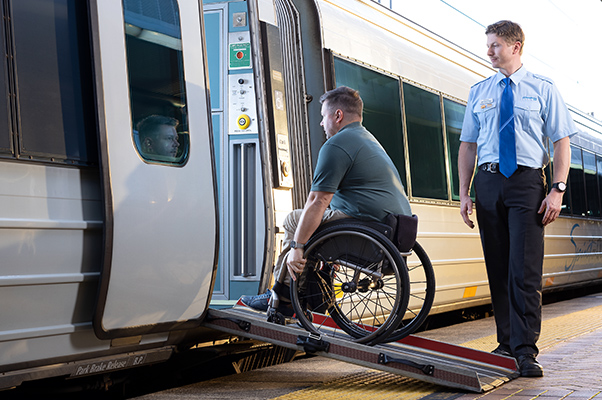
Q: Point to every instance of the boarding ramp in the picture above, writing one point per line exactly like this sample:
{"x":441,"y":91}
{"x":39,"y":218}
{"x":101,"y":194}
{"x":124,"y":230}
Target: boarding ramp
{"x":414,"y":357}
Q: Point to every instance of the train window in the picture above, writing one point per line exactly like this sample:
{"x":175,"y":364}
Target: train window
{"x":50,"y":57}
{"x":599,"y":179}
{"x":591,"y":184}
{"x":425,"y":143}
{"x":382,"y":107}
{"x":454,"y":116}
{"x":156,"y":79}
{"x":6,"y":137}
{"x":577,"y":183}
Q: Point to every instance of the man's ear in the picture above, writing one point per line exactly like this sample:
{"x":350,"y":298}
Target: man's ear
{"x":339,"y":115}
{"x":517,"y":47}
{"x":147,"y":145}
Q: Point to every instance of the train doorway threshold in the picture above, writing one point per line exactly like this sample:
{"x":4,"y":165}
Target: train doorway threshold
{"x":414,"y":357}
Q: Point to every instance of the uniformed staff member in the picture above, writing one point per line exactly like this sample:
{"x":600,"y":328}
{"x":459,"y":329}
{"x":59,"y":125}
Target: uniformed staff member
{"x":508,"y":119}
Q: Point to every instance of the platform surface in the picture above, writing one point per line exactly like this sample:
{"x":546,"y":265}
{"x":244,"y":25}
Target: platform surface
{"x":570,"y":352}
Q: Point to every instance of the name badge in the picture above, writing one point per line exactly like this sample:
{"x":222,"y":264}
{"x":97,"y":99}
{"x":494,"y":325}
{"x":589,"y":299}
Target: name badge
{"x":486,"y":103}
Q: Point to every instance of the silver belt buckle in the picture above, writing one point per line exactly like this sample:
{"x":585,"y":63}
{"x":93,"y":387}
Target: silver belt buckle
{"x":491,"y":167}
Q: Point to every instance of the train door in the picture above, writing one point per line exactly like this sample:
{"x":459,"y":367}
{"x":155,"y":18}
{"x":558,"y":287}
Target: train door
{"x":157,"y":164}
{"x":259,"y":112}
{"x":237,"y":151}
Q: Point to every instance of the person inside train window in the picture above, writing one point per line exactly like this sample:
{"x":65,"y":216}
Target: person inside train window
{"x":158,"y":139}
{"x":509,"y":118}
{"x":354,"y":178}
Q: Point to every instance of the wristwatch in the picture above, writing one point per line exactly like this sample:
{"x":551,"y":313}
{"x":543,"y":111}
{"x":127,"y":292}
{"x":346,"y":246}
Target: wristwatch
{"x":295,"y":245}
{"x":560,"y":186}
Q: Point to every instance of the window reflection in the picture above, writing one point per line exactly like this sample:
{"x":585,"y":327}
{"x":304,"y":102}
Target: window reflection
{"x":577,"y":180}
{"x":156,"y":80}
{"x":454,"y":116}
{"x":425,"y":142}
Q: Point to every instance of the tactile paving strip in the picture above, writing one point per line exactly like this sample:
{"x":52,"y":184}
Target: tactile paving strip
{"x":554,"y":330}
{"x":367,"y":385}
{"x":373,"y":384}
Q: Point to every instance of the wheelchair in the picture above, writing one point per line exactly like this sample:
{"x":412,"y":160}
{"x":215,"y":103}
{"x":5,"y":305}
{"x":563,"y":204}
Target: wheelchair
{"x":358,"y":282}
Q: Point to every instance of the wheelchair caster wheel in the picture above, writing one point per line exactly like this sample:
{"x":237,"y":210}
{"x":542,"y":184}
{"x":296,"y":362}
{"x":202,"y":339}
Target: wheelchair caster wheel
{"x":275,"y":317}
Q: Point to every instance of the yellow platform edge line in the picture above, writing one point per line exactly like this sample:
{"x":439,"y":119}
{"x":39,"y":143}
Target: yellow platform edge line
{"x":373,"y":384}
{"x":553,"y":330}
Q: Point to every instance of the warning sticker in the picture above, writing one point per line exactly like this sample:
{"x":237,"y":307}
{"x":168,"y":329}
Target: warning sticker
{"x":240,"y":55}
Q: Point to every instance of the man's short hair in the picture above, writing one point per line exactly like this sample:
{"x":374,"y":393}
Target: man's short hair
{"x":148,"y":126}
{"x":344,"y":98}
{"x":510,"y":31}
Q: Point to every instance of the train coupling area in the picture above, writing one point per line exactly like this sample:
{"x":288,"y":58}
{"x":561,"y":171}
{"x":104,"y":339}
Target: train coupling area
{"x":414,"y":357}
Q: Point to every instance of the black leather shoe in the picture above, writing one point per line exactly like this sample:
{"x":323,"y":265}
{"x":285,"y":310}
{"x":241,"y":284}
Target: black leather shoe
{"x":502,"y":350}
{"x":529,"y":367}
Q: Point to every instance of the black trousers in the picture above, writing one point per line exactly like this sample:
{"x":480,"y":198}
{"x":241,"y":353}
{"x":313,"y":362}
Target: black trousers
{"x":512,"y":236}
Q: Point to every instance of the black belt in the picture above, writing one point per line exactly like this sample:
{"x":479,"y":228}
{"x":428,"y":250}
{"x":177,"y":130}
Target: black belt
{"x":494,"y":167}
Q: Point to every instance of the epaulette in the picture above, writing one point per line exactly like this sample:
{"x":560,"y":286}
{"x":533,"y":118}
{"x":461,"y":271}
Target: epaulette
{"x":543,"y":78}
{"x":483,"y":81}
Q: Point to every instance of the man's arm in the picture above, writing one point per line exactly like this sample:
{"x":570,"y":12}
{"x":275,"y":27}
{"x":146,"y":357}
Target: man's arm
{"x":314,"y":209}
{"x":552,"y":204}
{"x":466,"y":162}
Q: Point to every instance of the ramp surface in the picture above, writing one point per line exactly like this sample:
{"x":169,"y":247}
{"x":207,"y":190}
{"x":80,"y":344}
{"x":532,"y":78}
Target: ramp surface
{"x":414,"y":357}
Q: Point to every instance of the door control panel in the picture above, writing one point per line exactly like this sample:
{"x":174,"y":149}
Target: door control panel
{"x":242,"y":113}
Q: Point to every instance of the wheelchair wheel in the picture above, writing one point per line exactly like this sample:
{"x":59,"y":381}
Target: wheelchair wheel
{"x":355,"y":280}
{"x":422,"y":293}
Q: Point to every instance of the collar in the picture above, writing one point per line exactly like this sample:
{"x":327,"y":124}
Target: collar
{"x":350,"y":125}
{"x":515,"y":77}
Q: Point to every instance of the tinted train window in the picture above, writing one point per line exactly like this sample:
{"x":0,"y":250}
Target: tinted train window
{"x":454,"y":116}
{"x":599,"y":179}
{"x":382,"y":107}
{"x":425,"y":143}
{"x":577,"y":182}
{"x":156,"y":78}
{"x":51,"y":70}
{"x":5,"y":131}
{"x":591,"y":184}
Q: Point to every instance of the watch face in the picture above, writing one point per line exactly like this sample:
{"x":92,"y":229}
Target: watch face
{"x":562,"y":186}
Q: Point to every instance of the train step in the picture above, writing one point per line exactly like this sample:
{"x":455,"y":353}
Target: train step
{"x":414,"y":357}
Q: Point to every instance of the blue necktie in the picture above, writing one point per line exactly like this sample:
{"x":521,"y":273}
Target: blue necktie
{"x":507,"y":140}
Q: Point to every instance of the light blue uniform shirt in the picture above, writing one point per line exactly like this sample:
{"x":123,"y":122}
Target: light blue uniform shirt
{"x":539,"y":113}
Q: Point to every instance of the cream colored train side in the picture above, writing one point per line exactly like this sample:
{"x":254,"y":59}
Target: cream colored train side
{"x":363,"y":42}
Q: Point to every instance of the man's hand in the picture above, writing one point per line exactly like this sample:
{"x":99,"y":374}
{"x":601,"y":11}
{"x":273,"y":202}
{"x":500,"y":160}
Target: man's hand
{"x":295,"y":262}
{"x":552,"y":205}
{"x":466,"y":210}
{"x":467,"y":154}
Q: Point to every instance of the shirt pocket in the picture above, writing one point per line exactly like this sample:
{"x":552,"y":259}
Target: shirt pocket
{"x":486,"y":112}
{"x":527,"y":111}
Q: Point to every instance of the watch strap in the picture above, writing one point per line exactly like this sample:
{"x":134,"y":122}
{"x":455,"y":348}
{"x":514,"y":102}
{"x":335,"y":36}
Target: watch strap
{"x":296,"y":245}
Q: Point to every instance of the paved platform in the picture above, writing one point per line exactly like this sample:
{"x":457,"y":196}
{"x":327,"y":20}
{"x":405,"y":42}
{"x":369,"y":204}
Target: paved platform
{"x":570,"y":351}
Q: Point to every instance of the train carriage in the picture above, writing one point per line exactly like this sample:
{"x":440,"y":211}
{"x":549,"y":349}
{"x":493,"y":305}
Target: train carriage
{"x":113,"y":252}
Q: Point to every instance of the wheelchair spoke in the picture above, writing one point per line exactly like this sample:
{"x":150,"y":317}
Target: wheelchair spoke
{"x":357,"y":279}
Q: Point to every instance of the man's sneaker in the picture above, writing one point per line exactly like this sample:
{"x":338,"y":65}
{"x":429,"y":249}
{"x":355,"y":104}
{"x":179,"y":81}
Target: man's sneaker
{"x":502,"y":350}
{"x":258,"y":302}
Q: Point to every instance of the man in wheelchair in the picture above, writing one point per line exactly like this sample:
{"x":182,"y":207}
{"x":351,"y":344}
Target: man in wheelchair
{"x":354,"y":178}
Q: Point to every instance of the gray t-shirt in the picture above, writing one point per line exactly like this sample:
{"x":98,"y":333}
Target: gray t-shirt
{"x":360,"y":173}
